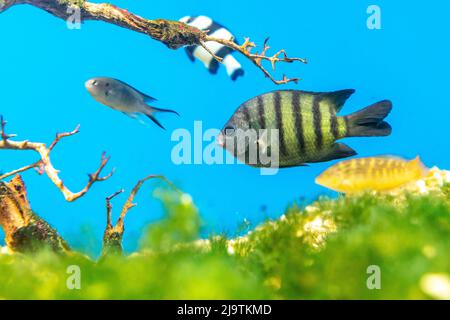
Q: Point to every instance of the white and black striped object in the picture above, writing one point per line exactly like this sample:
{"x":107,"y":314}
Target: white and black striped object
{"x":216,"y":30}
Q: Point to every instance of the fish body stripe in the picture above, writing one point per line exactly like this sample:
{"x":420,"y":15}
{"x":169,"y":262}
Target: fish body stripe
{"x":317,"y":116}
{"x":279,"y":121}
{"x":333,"y":123}
{"x":261,"y":113}
{"x":342,"y":126}
{"x":298,"y":122}
{"x":328,"y":138}
{"x":213,"y":27}
{"x":222,"y":53}
{"x":216,"y":30}
{"x":246,"y":113}
{"x":308,"y":124}
{"x":288,"y":122}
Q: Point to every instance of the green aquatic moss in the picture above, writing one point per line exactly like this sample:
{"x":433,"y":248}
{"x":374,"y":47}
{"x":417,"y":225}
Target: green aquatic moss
{"x":320,"y":251}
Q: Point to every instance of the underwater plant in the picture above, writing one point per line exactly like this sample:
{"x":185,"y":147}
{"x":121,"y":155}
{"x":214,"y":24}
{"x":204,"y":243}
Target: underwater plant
{"x":322,"y":251}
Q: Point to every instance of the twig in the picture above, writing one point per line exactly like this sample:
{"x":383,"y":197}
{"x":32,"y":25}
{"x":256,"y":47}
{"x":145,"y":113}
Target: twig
{"x":129,"y":203}
{"x":113,"y":235}
{"x":173,"y":34}
{"x":45,"y":163}
{"x":109,"y":207}
{"x":25,"y":168}
{"x":216,"y":57}
{"x":257,"y":58}
{"x":59,"y":136}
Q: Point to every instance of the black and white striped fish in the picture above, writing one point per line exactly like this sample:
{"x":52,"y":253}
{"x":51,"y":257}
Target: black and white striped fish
{"x":214,"y":29}
{"x":307,"y":125}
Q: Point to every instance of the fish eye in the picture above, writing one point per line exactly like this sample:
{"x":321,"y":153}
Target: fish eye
{"x":229,"y":130}
{"x":94,"y":82}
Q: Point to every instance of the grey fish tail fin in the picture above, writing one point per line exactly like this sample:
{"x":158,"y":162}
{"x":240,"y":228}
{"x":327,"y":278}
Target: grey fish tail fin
{"x":151,"y":110}
{"x":165,"y":110}
{"x":368,"y":122}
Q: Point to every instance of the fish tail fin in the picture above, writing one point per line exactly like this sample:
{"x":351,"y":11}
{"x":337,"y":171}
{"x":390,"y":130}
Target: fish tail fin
{"x":164,"y":110}
{"x":152,"y":117}
{"x":368,"y":122}
{"x":149,"y":113}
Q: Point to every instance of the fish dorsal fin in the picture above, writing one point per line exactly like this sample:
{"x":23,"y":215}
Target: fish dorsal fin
{"x":337,"y":98}
{"x":392,"y":157}
{"x":416,"y":162}
{"x":147,"y":98}
{"x":417,"y":165}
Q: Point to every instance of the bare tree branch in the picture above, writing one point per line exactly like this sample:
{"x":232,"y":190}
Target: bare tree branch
{"x":113,"y":235}
{"x":129,"y":203}
{"x":173,"y":34}
{"x":109,"y":207}
{"x":45,"y":163}
{"x":257,"y":58}
{"x":25,"y":168}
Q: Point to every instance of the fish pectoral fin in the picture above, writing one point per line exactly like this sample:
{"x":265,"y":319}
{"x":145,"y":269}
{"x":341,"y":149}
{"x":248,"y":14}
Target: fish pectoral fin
{"x":134,"y":116}
{"x":152,"y":117}
{"x":338,"y":151}
{"x":131,"y":115}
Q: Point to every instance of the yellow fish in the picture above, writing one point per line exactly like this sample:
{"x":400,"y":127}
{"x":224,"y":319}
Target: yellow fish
{"x":374,"y":173}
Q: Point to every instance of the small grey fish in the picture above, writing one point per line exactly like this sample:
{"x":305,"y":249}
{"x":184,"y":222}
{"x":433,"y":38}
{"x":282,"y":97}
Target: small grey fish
{"x":122,"y":97}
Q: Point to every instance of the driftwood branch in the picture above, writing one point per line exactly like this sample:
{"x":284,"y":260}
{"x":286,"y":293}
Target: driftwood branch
{"x":25,"y":232}
{"x":20,"y":170}
{"x":173,"y":34}
{"x":112,"y":238}
{"x":109,"y":207}
{"x":257,"y":58}
{"x":45,"y":165}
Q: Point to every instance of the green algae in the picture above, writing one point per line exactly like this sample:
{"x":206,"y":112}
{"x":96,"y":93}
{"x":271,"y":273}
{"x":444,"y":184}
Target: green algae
{"x":322,"y":251}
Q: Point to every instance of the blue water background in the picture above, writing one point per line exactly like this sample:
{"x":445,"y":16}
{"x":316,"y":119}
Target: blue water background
{"x":44,"y":66}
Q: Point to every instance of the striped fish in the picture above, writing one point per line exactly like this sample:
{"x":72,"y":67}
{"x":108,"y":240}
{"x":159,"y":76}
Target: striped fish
{"x":214,"y":29}
{"x":374,"y":173}
{"x":307,"y":124}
